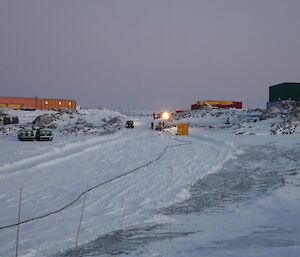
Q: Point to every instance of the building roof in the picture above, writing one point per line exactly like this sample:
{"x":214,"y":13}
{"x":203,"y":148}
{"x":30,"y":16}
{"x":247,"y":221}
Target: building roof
{"x":284,"y":91}
{"x":37,"y":98}
{"x":287,"y":84}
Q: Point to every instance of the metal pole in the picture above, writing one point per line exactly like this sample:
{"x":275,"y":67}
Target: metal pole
{"x":19,"y":217}
{"x":118,"y":233}
{"x":125,"y":207}
{"x":81,"y":216}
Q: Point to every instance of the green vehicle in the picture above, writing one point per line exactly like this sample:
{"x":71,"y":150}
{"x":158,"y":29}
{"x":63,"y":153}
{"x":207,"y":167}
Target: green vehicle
{"x":26,"y":135}
{"x":44,"y":135}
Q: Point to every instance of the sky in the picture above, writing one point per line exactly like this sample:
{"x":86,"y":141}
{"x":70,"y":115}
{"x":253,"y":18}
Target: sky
{"x":148,"y":54}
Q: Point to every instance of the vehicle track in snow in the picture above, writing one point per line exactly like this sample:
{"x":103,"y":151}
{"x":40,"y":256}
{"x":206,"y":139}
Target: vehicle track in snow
{"x":55,"y":155}
{"x":122,"y":242}
{"x":76,"y":199}
{"x":54,"y":194}
{"x":249,"y":176}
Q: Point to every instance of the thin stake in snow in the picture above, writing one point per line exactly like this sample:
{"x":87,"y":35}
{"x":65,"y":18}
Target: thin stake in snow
{"x":19,"y":217}
{"x":125,"y":207}
{"x":81,"y":216}
{"x":121,"y":226}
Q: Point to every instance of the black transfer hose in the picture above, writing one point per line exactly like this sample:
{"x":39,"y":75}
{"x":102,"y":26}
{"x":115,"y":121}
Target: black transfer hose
{"x":182,"y":143}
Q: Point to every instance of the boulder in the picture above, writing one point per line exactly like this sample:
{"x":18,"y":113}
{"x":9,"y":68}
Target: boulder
{"x":43,"y":121}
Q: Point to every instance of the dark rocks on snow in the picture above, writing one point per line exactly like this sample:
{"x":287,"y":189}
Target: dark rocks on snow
{"x":43,"y":121}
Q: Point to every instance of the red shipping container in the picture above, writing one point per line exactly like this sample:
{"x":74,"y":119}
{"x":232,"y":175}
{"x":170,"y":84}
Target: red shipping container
{"x":194,"y":107}
{"x":238,"y":105}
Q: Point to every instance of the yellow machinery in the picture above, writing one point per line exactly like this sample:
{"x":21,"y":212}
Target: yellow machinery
{"x":214,"y":103}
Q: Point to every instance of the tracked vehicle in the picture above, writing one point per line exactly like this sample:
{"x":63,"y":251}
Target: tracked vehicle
{"x":44,"y":135}
{"x":26,"y":135}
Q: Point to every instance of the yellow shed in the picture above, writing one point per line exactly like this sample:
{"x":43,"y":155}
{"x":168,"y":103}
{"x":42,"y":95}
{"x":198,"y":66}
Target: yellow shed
{"x":182,"y":129}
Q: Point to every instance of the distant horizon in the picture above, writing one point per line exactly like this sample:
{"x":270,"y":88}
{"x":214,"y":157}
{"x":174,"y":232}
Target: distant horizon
{"x":164,"y":108}
{"x":78,"y":104}
{"x":173,"y":108}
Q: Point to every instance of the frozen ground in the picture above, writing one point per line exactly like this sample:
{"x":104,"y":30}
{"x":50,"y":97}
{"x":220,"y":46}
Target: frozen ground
{"x":213,"y":193}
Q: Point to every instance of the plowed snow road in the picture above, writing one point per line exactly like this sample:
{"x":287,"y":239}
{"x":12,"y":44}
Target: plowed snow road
{"x":55,"y":177}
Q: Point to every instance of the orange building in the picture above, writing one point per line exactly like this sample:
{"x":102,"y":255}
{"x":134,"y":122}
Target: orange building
{"x":20,"y":103}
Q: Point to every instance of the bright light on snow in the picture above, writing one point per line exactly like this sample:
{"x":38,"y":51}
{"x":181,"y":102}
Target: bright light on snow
{"x":165,"y":115}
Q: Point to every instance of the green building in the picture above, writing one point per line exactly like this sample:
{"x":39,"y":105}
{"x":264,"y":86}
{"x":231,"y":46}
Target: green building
{"x":284,"y":91}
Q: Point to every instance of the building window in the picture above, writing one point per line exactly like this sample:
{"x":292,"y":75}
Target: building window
{"x":59,"y":103}
{"x":70,"y":103}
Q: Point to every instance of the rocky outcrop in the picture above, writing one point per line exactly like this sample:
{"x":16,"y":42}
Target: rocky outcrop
{"x":43,"y":121}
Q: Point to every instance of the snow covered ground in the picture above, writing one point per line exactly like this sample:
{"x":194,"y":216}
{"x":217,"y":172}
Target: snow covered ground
{"x":214,"y":193}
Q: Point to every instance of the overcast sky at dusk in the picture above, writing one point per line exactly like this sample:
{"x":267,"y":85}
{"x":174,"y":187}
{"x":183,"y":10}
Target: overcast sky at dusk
{"x":143,"y":54}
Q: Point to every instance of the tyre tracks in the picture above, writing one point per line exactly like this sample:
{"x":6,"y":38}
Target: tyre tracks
{"x":55,"y":156}
{"x":76,"y":199}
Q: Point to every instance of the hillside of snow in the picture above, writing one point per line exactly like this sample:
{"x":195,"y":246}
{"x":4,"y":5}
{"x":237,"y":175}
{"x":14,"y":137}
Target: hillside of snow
{"x":284,"y":119}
